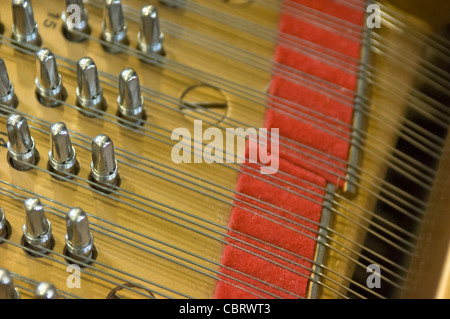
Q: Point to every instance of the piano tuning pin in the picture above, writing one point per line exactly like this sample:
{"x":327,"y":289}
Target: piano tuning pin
{"x":104,"y":168}
{"x":79,"y":240}
{"x":5,"y":227}
{"x":22,"y":153}
{"x":62,"y":156}
{"x":37,"y":230}
{"x":130,"y":101}
{"x":114,"y":27}
{"x":49,"y":87}
{"x":8,"y":99}
{"x":24,"y":28}
{"x":150,"y":37}
{"x":45,"y":290}
{"x":89,"y":91}
{"x":7,"y":288}
{"x":75,"y":24}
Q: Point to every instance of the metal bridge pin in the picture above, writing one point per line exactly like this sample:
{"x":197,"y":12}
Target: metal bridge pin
{"x":7,"y":288}
{"x":114,"y":27}
{"x":79,"y":240}
{"x":89,"y":91}
{"x":77,"y":29}
{"x":37,"y":230}
{"x":150,"y":37}
{"x":25,"y":28}
{"x":5,"y":227}
{"x":22,"y":153}
{"x":45,"y":290}
{"x":104,"y":168}
{"x":49,"y":87}
{"x":62,"y":156}
{"x":7,"y":97}
{"x":130,"y":100}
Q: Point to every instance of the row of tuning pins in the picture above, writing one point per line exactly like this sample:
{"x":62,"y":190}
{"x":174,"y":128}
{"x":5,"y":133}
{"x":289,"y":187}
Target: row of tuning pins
{"x":38,"y":240}
{"x":89,"y":93}
{"x":76,"y":26}
{"x":22,"y":153}
{"x":62,"y":159}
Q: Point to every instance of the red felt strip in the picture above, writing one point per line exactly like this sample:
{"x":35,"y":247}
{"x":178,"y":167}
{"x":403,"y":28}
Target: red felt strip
{"x":317,"y":121}
{"x":291,"y":232}
{"x":324,"y":37}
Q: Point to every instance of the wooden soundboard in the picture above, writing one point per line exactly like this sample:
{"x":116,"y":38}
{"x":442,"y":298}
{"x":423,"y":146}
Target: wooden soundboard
{"x":164,"y":228}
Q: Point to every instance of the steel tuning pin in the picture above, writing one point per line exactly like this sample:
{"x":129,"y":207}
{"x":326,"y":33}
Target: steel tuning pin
{"x":104,"y":168}
{"x":130,"y":101}
{"x":7,"y":288}
{"x":49,"y":87}
{"x":150,"y":37}
{"x":8,"y":99}
{"x":89,"y":91}
{"x":114,"y":27}
{"x":62,"y":157}
{"x":22,"y":153}
{"x":79,"y":240}
{"x":24,"y":28}
{"x":5,"y":227}
{"x":45,"y":290}
{"x":75,"y":21}
{"x":37,"y":230}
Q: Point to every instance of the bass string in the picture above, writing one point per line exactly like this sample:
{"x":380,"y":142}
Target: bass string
{"x":280,"y":68}
{"x":411,"y":160}
{"x":299,"y":256}
{"x":203,"y":258}
{"x":413,"y":140}
{"x":324,"y":161}
{"x":304,"y":189}
{"x":228,"y":189}
{"x":98,"y":229}
{"x":223,"y":48}
{"x":221,"y":17}
{"x":264,"y":32}
{"x":34,"y":194}
{"x":393,"y":17}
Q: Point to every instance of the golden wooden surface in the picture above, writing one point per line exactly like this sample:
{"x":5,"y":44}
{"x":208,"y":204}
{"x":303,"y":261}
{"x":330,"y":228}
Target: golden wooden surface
{"x":150,"y":194}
